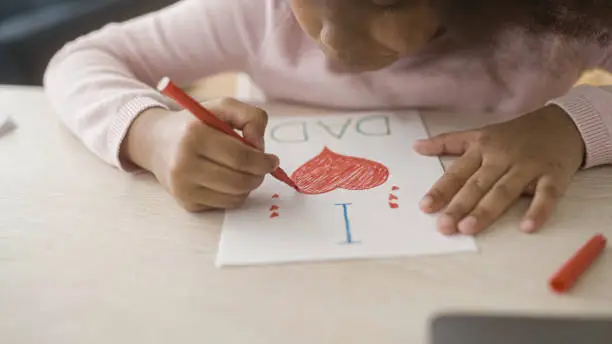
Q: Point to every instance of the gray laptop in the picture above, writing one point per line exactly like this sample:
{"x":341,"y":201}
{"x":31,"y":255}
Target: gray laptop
{"x":499,"y":329}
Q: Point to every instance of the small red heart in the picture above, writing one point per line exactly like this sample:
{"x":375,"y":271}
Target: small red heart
{"x":395,"y":188}
{"x":392,"y":197}
{"x":274,"y":207}
{"x":273,"y":215}
{"x":275,"y":196}
{"x":393,"y":205}
{"x":329,"y":171}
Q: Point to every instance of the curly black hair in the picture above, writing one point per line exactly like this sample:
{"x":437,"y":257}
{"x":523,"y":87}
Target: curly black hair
{"x":475,"y":22}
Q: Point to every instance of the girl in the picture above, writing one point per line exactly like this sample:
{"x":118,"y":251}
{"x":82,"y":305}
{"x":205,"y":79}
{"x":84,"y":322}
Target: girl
{"x":516,"y":57}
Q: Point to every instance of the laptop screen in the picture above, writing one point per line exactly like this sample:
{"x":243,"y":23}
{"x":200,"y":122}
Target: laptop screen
{"x":497,"y":329}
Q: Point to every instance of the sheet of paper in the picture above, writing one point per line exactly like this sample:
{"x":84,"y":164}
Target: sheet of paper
{"x":6,"y":124}
{"x":364,"y":183}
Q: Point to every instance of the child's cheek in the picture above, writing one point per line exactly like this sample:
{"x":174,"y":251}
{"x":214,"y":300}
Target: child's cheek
{"x":404,"y":33}
{"x":308,"y":17}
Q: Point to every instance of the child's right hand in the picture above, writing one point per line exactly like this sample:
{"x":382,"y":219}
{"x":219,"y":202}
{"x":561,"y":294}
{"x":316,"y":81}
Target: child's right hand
{"x":201,"y":167}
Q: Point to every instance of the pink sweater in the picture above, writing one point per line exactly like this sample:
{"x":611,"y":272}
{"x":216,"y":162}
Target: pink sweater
{"x":99,"y":83}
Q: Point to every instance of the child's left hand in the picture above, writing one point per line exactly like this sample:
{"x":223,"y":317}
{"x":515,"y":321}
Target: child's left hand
{"x":537,"y":153}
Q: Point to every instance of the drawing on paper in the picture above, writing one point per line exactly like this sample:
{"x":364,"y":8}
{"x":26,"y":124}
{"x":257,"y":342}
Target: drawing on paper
{"x":274,"y":208}
{"x":329,"y":171}
{"x":274,"y":211}
{"x":358,"y":195}
{"x":393,"y":199}
{"x":347,"y":224}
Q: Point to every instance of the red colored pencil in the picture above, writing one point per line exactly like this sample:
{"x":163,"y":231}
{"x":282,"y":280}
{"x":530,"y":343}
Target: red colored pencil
{"x":167,"y":87}
{"x":568,"y":274}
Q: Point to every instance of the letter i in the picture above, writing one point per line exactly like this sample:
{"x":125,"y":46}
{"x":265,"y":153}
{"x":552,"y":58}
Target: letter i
{"x":347,"y":224}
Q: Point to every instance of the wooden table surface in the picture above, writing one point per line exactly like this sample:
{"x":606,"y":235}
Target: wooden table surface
{"x":91,"y":255}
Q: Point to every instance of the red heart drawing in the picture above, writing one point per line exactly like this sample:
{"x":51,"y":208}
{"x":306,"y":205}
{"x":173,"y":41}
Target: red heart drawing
{"x":329,"y":171}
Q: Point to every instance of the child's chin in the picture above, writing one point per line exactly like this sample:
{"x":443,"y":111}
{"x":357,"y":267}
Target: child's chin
{"x":337,"y":66}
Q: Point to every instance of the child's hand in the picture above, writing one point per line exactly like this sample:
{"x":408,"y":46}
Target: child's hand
{"x":539,"y":152}
{"x":200,"y":166}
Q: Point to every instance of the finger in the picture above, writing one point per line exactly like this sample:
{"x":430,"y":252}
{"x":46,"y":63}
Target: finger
{"x":251,"y":120}
{"x":477,"y":186}
{"x":210,"y":175}
{"x":196,"y":199}
{"x":547,"y":193}
{"x":195,"y":208}
{"x":445,"y":144}
{"x":228,"y":151}
{"x":530,"y":189}
{"x":503,"y":194}
{"x":451,"y":182}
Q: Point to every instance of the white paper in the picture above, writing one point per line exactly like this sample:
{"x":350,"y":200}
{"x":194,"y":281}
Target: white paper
{"x":314,"y":227}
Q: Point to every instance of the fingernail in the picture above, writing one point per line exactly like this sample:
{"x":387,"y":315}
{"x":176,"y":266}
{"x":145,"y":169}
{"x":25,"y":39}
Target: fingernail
{"x":527,"y":226}
{"x":446,"y":224}
{"x":427,"y":202}
{"x":468,"y":225}
{"x":276,"y":161}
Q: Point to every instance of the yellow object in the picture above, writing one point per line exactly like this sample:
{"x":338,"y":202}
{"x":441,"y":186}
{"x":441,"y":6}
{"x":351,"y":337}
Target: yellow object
{"x":595,"y":77}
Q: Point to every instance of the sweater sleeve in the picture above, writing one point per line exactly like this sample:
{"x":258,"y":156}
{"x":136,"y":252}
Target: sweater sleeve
{"x":590,"y":107}
{"x":99,"y":83}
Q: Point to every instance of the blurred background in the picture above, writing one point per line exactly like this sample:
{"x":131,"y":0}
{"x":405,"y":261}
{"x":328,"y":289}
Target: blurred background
{"x":31,"y":31}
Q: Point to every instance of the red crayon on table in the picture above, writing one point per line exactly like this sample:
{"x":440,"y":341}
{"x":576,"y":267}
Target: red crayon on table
{"x":568,"y":274}
{"x":167,"y":87}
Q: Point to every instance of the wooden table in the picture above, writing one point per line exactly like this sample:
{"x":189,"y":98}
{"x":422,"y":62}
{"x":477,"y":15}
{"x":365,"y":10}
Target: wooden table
{"x":91,"y":255}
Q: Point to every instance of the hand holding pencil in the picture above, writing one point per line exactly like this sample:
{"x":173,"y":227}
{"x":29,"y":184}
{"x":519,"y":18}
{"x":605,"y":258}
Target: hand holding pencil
{"x":201,"y":166}
{"x":168,"y":88}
